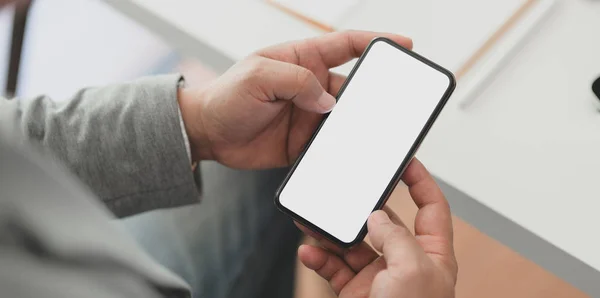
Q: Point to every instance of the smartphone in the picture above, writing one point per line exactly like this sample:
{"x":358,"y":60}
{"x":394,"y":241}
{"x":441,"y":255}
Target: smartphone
{"x":358,"y":153}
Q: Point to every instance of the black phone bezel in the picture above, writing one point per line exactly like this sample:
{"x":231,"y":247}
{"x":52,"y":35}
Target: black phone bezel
{"x":397,"y":176}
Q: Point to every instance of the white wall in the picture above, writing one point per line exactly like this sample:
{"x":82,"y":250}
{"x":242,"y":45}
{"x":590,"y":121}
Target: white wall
{"x":71,"y":44}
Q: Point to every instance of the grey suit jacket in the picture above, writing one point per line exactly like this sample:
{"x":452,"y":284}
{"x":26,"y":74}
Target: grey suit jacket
{"x":67,"y":168}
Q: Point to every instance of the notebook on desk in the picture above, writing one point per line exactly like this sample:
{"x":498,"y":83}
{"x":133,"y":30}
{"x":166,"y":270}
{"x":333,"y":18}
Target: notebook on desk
{"x":462,"y":35}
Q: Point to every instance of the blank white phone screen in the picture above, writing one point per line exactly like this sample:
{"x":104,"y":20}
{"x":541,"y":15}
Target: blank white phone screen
{"x":363,"y":142}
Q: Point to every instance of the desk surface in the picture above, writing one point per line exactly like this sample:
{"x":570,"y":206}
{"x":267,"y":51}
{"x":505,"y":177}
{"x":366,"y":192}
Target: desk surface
{"x":527,"y":149}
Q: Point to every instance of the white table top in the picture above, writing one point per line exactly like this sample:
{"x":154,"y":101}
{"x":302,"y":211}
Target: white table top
{"x":528,"y":148}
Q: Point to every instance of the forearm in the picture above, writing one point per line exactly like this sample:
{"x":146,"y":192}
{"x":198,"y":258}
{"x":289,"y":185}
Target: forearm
{"x":124,"y":141}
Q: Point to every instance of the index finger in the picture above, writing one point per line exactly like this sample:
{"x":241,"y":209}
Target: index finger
{"x":434,"y":217}
{"x":333,"y":49}
{"x":340,"y":47}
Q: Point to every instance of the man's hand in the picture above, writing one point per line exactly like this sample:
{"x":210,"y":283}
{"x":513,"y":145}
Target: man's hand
{"x":263,"y":110}
{"x":421,"y":266}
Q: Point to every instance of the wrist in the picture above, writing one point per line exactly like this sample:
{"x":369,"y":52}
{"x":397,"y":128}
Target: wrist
{"x":190,"y":105}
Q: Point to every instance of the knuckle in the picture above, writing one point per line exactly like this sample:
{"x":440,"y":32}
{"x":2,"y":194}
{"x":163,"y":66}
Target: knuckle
{"x":414,"y":271}
{"x":398,"y":231}
{"x":303,"y":77}
{"x":349,"y":32}
{"x":255,"y":69}
{"x":393,"y":234}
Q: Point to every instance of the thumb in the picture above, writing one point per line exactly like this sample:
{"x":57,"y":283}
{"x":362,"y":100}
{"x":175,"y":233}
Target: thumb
{"x":285,"y":81}
{"x":396,"y":242}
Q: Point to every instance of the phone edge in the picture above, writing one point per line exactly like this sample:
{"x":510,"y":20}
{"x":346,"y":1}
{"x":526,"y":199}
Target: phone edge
{"x":398,"y":175}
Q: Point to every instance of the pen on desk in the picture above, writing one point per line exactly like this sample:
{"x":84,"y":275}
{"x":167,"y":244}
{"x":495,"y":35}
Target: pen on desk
{"x":507,"y":49}
{"x":321,"y":26}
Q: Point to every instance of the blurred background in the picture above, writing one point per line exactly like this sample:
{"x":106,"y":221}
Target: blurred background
{"x":515,"y":150}
{"x":70,"y":44}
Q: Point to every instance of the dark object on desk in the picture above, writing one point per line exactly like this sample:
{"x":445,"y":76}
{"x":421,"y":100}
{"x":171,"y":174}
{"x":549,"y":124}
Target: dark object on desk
{"x":596,"y":87}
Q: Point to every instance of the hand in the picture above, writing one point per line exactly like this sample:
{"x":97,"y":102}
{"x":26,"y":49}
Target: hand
{"x":263,"y":110}
{"x":421,"y":266}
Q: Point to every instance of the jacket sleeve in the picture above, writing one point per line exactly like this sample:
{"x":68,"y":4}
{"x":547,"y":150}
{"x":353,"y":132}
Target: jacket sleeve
{"x":125,"y":142}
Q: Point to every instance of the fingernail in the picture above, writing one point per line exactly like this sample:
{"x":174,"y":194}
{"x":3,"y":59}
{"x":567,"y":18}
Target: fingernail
{"x":380,"y":217}
{"x":302,"y":247}
{"x":326,"y":101}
